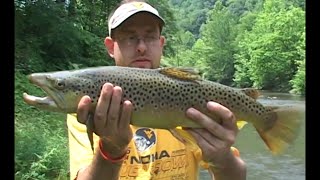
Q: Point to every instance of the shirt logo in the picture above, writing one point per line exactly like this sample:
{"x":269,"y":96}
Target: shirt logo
{"x":144,"y":139}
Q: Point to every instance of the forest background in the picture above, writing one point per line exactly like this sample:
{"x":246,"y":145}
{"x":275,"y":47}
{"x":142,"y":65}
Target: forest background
{"x":239,"y":43}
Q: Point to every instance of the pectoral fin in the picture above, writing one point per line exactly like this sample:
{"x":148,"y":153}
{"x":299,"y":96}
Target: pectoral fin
{"x":90,"y":127}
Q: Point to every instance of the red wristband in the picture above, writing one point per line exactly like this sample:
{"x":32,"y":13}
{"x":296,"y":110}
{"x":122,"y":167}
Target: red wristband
{"x":107,"y":157}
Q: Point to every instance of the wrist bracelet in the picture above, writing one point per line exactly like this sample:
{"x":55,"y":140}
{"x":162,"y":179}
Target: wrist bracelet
{"x":107,"y":157}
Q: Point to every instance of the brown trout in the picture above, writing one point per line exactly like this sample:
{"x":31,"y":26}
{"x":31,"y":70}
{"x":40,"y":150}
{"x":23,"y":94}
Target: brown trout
{"x":161,"y":97}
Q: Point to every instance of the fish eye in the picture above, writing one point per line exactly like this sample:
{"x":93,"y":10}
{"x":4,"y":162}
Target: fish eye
{"x":60,"y":84}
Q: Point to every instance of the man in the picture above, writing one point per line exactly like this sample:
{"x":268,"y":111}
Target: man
{"x":127,"y":152}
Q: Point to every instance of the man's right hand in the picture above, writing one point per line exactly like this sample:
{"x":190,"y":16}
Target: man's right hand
{"x":111,"y":119}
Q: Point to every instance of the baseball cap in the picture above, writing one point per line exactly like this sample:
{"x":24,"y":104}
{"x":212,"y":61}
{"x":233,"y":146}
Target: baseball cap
{"x":127,"y":10}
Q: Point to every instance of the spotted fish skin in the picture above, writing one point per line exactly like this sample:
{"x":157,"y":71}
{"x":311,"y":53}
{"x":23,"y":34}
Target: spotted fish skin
{"x":161,"y":97}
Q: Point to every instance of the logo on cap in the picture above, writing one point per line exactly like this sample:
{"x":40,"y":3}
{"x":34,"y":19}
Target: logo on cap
{"x":138,"y":5}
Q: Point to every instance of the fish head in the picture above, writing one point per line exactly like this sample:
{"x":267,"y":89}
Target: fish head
{"x":63,"y":92}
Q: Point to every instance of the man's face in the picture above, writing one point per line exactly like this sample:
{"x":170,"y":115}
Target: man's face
{"x":137,"y":42}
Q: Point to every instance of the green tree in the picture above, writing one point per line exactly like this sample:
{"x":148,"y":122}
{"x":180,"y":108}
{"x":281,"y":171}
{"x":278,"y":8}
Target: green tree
{"x":240,"y":7}
{"x":299,"y":80}
{"x":268,"y":53}
{"x":191,"y":14}
{"x":218,"y":35}
{"x":48,"y":38}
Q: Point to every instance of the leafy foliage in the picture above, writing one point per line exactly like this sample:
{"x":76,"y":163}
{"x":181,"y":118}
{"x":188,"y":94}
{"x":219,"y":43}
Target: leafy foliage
{"x":299,"y":80}
{"x":49,"y":38}
{"x":191,"y":14}
{"x":218,"y":35}
{"x":241,"y":7}
{"x":40,"y":138}
{"x":267,"y":55}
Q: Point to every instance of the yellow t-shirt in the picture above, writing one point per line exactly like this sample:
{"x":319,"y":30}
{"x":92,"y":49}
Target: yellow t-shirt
{"x":153,"y":153}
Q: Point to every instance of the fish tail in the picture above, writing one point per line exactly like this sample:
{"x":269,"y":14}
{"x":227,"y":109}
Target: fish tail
{"x":287,"y":122}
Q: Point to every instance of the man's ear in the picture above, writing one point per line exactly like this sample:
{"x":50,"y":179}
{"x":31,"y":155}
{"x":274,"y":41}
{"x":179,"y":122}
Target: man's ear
{"x":162,"y":41}
{"x":108,"y":42}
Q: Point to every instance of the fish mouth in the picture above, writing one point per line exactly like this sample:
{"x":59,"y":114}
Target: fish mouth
{"x":39,"y":101}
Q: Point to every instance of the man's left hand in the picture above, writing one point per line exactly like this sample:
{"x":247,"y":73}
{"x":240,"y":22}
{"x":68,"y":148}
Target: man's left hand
{"x":215,"y":139}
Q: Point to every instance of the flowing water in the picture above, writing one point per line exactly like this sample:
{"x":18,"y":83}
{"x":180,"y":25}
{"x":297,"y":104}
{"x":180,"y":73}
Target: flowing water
{"x":261,"y":164}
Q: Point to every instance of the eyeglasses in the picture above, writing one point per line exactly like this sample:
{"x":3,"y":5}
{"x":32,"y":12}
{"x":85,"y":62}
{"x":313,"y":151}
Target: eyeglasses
{"x":133,"y":41}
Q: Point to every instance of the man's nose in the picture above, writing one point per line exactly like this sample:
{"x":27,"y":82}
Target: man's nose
{"x":142,"y":46}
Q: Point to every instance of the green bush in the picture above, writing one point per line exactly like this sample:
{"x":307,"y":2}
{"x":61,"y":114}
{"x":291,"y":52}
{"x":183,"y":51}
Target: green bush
{"x":40,"y":138}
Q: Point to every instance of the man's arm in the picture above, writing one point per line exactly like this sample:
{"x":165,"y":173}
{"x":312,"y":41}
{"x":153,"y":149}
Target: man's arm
{"x":100,"y":169}
{"x":215,"y":140}
{"x":112,"y":125}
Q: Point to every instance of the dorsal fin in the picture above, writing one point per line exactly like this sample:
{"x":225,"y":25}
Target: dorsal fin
{"x":187,"y":74}
{"x":251,"y":92}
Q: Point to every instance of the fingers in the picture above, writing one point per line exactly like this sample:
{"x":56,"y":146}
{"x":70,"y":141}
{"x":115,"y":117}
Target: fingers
{"x":205,"y":139}
{"x":83,"y":109}
{"x":111,"y":119}
{"x":103,"y":104}
{"x":228,"y":118}
{"x":206,"y":122}
{"x":215,"y":138}
{"x":224,"y":114}
{"x":126,"y":115}
{"x":109,"y":112}
{"x":114,"y":109}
